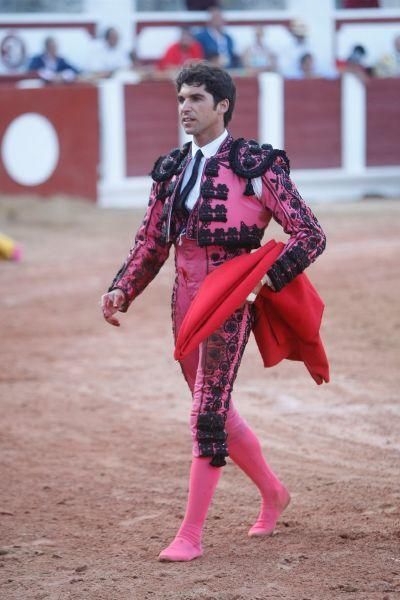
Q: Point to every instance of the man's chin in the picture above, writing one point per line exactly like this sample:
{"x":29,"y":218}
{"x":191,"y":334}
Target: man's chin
{"x":189,"y":129}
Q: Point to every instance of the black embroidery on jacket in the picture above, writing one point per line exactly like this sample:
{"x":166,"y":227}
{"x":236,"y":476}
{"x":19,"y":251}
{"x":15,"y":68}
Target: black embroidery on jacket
{"x":247,"y":237}
{"x":170,"y":164}
{"x":117,"y":277}
{"x":149,"y":268}
{"x":209,"y":190}
{"x":299,"y":256}
{"x":209,"y":214}
{"x":171,"y":187}
{"x":162,"y":191}
{"x":212,"y":168}
{"x":164,"y":213}
{"x":249,"y":190}
{"x":285,"y":268}
{"x":248,"y":159}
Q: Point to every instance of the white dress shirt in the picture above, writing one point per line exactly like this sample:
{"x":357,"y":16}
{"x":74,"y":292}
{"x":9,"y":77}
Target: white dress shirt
{"x":104,"y":58}
{"x":208,"y":151}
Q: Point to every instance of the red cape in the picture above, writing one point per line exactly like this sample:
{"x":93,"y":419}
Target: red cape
{"x":287,"y":322}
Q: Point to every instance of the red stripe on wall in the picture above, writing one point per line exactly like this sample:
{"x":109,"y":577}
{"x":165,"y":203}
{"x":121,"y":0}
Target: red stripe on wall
{"x":313,"y":123}
{"x":365,"y":21}
{"x":151,"y":124}
{"x":383,"y":122}
{"x":89,"y":26}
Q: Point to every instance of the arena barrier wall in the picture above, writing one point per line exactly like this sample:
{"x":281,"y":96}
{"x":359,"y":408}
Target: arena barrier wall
{"x":100,"y":142}
{"x":49,"y":141}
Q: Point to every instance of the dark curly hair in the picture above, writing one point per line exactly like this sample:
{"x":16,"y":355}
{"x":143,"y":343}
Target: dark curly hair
{"x":217,"y":82}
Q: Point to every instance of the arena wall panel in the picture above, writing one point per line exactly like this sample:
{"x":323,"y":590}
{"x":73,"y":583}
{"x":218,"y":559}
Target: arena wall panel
{"x":312,"y":118}
{"x":152,"y":126}
{"x":383,"y":122}
{"x":151,"y":120}
{"x":245,"y":117}
{"x":72,"y":113}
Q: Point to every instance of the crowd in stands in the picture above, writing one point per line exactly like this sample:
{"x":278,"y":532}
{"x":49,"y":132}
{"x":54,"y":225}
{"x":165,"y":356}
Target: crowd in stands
{"x":214,"y":44}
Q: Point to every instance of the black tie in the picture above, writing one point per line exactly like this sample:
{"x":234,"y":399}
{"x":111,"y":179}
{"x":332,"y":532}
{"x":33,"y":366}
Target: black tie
{"x":190,"y":184}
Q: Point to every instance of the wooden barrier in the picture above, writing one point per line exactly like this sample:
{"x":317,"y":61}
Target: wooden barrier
{"x":151,"y":122}
{"x":151,"y":118}
{"x":312,"y":117}
{"x":73,"y":114}
{"x":383,"y":122}
{"x":245,"y":116}
{"x":139,"y":121}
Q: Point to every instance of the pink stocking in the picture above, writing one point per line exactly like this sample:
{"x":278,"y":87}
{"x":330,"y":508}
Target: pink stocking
{"x":203,"y":481}
{"x":245,"y":450}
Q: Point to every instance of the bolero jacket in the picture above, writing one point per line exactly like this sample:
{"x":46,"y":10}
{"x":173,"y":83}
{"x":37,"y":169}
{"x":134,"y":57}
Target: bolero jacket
{"x":227,"y":213}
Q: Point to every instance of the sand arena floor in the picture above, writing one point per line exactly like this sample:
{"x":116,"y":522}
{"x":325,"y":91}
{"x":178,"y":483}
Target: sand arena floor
{"x":95,"y":446}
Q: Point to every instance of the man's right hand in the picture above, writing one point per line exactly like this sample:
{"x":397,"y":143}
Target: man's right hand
{"x":110,"y":304}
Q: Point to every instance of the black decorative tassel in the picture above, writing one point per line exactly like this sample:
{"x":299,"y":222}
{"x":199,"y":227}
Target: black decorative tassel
{"x":249,"y":191}
{"x":218,"y":460}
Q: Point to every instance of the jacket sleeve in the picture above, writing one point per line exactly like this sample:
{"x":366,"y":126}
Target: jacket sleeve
{"x":147,"y":255}
{"x":307,"y":239}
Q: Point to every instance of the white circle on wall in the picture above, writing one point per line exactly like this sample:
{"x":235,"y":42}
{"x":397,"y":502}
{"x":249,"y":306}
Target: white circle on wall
{"x":30,"y":149}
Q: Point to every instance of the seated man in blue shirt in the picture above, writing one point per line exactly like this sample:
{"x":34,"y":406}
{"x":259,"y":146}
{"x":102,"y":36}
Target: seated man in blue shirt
{"x":215,"y":41}
{"x":51,"y":67}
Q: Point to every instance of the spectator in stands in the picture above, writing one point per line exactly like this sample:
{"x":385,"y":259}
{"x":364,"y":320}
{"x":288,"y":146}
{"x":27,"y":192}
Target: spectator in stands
{"x":50,"y":67}
{"x":389,"y":64}
{"x":187,"y":49}
{"x":134,"y":60}
{"x":107,"y":56}
{"x":296,"y":47}
{"x":215,"y":41}
{"x":137,"y":70}
{"x":305,"y":68}
{"x":258,"y":56}
{"x":355,"y":63}
{"x":357,"y":55}
{"x":201,"y":4}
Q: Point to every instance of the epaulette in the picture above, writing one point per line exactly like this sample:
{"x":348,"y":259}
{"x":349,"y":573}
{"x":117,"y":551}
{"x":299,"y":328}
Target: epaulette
{"x":168,"y":165}
{"x":248,"y":159}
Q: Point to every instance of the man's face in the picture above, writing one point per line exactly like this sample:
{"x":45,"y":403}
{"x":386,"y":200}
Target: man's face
{"x":308,"y":63}
{"x":216,"y":19}
{"x":197,"y":111}
{"x":51,"y":47}
{"x":112,"y":38}
{"x":186,"y":39}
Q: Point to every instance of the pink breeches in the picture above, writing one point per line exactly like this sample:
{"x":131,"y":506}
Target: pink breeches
{"x":210,"y":371}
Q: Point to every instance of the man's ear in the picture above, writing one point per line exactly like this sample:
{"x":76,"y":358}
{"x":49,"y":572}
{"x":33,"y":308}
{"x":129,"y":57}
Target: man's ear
{"x":223,"y":106}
